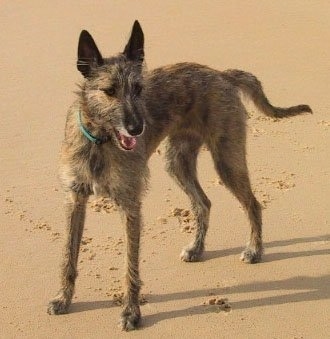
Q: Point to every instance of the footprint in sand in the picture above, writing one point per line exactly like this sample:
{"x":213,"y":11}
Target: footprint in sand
{"x":186,"y":219}
{"x":220,"y":304}
{"x":105,"y":205}
{"x":15,"y":209}
{"x":325,"y":124}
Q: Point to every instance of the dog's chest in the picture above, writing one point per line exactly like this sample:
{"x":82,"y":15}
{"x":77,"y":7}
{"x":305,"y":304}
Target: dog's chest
{"x":109,"y":173}
{"x":105,"y":185}
{"x":105,"y":172}
{"x":97,"y":164}
{"x":99,"y":168}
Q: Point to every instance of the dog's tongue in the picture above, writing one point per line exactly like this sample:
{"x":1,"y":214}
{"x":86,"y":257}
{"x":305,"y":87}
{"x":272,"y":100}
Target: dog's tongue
{"x":127,"y":142}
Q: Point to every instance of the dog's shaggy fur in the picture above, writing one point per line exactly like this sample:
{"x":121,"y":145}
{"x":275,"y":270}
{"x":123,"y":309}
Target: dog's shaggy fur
{"x":121,"y":115}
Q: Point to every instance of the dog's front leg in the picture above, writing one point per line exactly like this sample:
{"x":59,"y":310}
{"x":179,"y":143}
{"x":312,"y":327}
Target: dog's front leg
{"x":75,"y":217}
{"x":131,"y":315}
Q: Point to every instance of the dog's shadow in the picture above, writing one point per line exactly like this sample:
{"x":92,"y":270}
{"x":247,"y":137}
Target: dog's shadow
{"x":83,"y":306}
{"x":303,"y":288}
{"x":269,"y":257}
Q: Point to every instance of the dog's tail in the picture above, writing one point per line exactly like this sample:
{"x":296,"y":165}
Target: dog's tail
{"x":250,"y":85}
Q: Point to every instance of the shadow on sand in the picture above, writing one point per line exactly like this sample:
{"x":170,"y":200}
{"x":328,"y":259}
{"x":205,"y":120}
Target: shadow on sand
{"x":275,"y":256}
{"x":304,"y":288}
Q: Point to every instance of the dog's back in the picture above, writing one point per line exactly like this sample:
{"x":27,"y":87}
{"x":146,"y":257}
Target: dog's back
{"x":197,"y":98}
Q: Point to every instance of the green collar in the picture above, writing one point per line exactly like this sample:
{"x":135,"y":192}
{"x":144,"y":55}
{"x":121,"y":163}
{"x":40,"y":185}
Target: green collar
{"x":88,"y":135}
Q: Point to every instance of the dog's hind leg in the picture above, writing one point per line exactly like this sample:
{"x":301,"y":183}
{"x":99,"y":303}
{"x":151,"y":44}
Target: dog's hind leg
{"x":181,"y":154}
{"x":228,"y":153}
{"x":75,"y":217}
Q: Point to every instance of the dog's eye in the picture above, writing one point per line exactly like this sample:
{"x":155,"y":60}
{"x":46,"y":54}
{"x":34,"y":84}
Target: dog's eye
{"x":109,"y":91}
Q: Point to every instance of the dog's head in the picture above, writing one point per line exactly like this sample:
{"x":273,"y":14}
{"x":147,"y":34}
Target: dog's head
{"x":112,"y":90}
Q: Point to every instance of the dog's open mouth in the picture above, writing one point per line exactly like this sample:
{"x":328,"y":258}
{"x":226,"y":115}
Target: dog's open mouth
{"x":127,"y":143}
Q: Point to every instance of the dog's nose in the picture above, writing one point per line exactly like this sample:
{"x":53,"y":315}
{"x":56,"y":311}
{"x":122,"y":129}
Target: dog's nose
{"x":135,"y":129}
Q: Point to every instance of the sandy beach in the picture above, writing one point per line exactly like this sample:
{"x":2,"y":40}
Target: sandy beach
{"x":286,"y":45}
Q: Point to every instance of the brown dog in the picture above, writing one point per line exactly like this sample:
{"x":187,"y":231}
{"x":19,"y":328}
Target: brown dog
{"x":120,"y":117}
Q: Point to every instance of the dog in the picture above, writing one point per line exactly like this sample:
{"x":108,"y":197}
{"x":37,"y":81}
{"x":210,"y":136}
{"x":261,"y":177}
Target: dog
{"x":121,"y":115}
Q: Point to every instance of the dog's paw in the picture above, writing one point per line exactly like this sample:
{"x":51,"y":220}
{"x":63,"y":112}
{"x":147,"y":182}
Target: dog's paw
{"x":130,"y":318}
{"x":58,"y":306}
{"x":191,"y":253}
{"x":251,"y":256}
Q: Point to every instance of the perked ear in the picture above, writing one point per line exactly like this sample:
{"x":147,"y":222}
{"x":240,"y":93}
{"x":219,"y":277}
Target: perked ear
{"x":88,"y":54}
{"x":134,"y":48}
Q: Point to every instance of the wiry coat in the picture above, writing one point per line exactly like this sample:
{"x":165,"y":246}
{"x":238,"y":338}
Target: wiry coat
{"x":126,"y":114}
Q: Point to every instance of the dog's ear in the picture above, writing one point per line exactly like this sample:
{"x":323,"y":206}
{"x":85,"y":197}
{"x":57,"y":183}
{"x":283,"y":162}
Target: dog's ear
{"x":88,"y":54}
{"x":134,"y":48}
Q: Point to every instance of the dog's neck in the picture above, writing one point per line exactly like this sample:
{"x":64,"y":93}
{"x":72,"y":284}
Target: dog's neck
{"x":92,"y":138}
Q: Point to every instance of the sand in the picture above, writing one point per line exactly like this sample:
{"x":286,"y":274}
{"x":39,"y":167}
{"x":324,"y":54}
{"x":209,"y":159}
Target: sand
{"x":285,"y":44}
